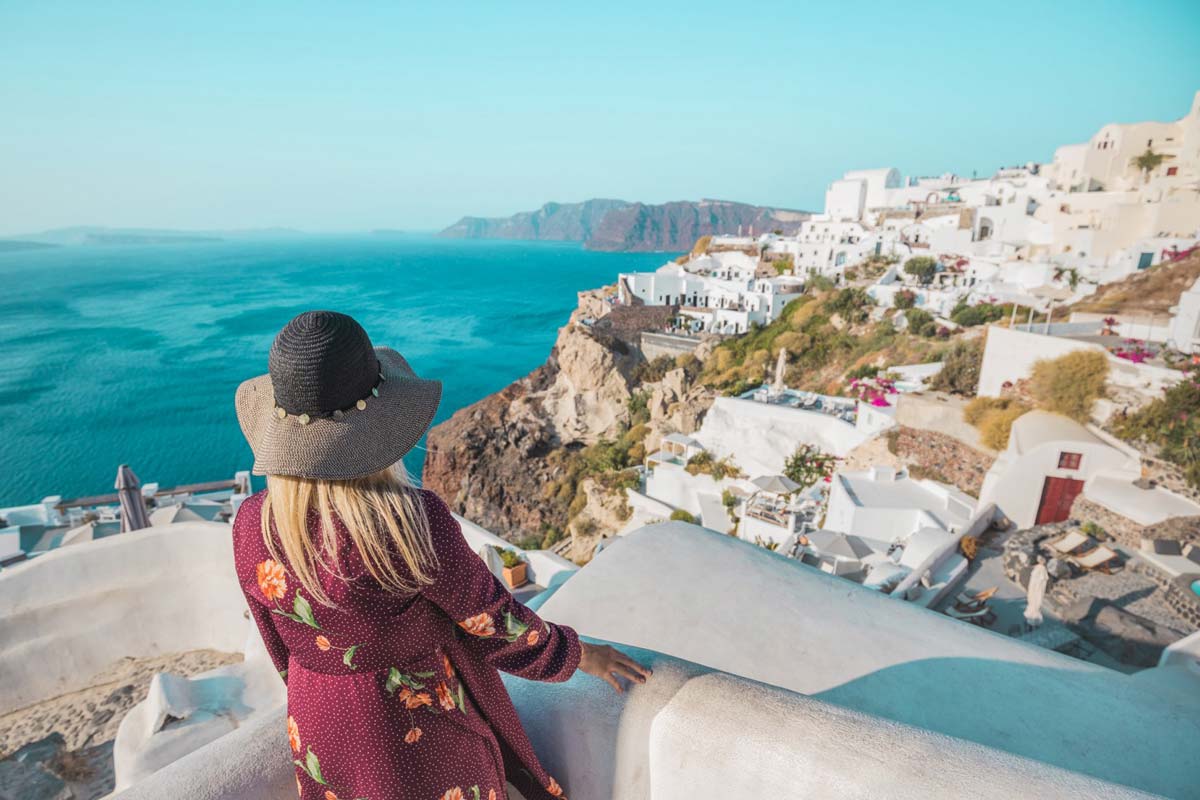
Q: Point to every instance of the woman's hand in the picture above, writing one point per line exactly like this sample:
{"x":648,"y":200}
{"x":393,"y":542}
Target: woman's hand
{"x":607,"y":663}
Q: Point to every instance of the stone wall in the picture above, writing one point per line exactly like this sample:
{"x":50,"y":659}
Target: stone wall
{"x":940,"y":457}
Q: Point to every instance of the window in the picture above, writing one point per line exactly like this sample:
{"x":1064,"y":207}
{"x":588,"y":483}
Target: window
{"x":1069,"y":460}
{"x":1172,"y":171}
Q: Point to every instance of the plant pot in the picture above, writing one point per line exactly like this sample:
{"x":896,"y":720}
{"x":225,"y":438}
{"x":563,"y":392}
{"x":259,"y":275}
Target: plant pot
{"x":515,"y":576}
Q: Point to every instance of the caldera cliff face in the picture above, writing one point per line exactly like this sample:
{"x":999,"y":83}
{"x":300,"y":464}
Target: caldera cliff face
{"x":501,"y":462}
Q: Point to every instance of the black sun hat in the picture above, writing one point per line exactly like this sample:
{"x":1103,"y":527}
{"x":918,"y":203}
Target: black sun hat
{"x":333,"y":406}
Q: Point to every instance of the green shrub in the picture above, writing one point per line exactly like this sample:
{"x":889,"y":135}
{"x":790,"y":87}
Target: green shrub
{"x":923,"y":268}
{"x":981,"y":314}
{"x":960,"y":373}
{"x":639,"y":411}
{"x":819,"y":283}
{"x":551,"y":537}
{"x":651,"y":371}
{"x":682,"y":516}
{"x":808,"y":464}
{"x":509,"y":557}
{"x":905,"y":298}
{"x":851,"y":304}
{"x":865,"y":371}
{"x":920,"y":322}
{"x":1172,"y":423}
{"x":1070,"y":384}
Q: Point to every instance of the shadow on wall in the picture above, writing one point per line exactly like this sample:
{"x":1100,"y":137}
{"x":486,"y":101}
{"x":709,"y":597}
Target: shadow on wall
{"x":1037,"y":712}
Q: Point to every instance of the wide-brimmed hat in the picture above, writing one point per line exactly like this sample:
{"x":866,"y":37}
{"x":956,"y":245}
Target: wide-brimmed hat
{"x":332,"y":406}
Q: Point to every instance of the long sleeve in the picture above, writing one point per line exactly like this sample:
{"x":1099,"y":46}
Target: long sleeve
{"x":254,"y":571}
{"x":509,"y":635}
{"x":276,"y":649}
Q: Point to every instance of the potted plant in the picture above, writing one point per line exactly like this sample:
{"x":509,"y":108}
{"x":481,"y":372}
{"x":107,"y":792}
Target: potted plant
{"x":514,"y":568}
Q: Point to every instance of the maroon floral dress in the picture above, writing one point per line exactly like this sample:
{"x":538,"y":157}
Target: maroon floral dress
{"x":399,"y":697}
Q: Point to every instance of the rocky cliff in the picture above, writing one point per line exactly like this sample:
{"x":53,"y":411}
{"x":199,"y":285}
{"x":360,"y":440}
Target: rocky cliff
{"x":554,"y":222}
{"x":518,"y":462}
{"x":618,"y":225}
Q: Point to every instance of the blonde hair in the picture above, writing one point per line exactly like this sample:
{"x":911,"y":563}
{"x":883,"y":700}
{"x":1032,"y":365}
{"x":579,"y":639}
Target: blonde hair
{"x":383,"y":512}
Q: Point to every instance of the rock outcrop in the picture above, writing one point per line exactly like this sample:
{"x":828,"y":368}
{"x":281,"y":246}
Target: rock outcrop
{"x":492,"y":461}
{"x":502,"y":462}
{"x":618,"y":225}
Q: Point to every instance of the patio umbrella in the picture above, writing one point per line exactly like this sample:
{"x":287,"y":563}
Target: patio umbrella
{"x":776,"y":484}
{"x":848,"y":546}
{"x":1038,"y":578}
{"x":133,"y":507}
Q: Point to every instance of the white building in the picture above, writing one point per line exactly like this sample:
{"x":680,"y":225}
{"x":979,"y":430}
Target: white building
{"x":1184,"y":330}
{"x":1051,"y":460}
{"x":760,"y":434}
{"x":887,"y":505}
{"x":722,"y":292}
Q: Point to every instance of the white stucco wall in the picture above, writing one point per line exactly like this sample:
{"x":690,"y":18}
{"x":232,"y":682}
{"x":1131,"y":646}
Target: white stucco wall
{"x":1010,"y":355}
{"x":760,"y":437}
{"x":775,"y":620}
{"x":73,"y":612}
{"x":689,"y":733}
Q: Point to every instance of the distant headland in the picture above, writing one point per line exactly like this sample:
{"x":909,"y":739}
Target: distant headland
{"x":618,"y":225}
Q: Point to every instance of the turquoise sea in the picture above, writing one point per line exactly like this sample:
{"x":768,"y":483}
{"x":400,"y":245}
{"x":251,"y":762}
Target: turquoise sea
{"x":131,"y":354}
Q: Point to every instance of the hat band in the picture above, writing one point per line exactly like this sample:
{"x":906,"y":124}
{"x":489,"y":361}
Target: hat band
{"x":360,"y":404}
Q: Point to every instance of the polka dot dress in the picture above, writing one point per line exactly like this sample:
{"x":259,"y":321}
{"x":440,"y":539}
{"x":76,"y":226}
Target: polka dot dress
{"x":399,"y":697}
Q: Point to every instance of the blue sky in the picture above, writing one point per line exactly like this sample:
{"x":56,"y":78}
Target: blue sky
{"x":349,"y":116}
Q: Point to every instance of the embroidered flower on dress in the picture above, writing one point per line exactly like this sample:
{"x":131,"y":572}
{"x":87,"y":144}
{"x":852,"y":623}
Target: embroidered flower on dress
{"x":532,"y":638}
{"x":330,"y":795}
{"x":479,"y":625}
{"x":323,"y":643}
{"x":453,"y":794}
{"x":272,"y":579}
{"x":449,"y":667}
{"x":417,"y":700}
{"x":412,"y":736}
{"x":293,"y":735}
{"x":491,"y":794}
{"x":445,"y":699}
{"x":553,"y":788}
{"x":299,"y":788}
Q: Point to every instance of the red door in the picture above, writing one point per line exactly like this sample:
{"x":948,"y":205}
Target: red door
{"x":1058,"y":494}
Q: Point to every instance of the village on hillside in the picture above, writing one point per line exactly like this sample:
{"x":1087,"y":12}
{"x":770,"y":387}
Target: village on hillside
{"x":957,"y":418}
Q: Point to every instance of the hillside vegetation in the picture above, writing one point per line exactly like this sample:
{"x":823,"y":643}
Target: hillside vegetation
{"x":1149,"y":291}
{"x":828,"y":340}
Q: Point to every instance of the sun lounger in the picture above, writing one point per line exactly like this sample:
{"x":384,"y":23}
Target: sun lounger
{"x":1098,"y":558}
{"x":1070,"y":543}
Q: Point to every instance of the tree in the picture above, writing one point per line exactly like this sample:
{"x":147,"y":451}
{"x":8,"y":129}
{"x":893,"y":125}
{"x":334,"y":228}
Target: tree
{"x":807,"y":465}
{"x":1070,"y":384}
{"x":960,"y":368}
{"x":1148,"y":161}
{"x":923,"y":268}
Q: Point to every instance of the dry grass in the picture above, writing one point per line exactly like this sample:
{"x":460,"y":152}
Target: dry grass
{"x":1150,"y":291}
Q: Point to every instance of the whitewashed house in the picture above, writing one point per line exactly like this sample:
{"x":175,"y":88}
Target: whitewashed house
{"x":1051,"y":460}
{"x":721,"y":292}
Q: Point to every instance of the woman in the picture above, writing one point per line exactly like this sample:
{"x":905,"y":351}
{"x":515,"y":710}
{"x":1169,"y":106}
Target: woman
{"x":387,"y":628}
